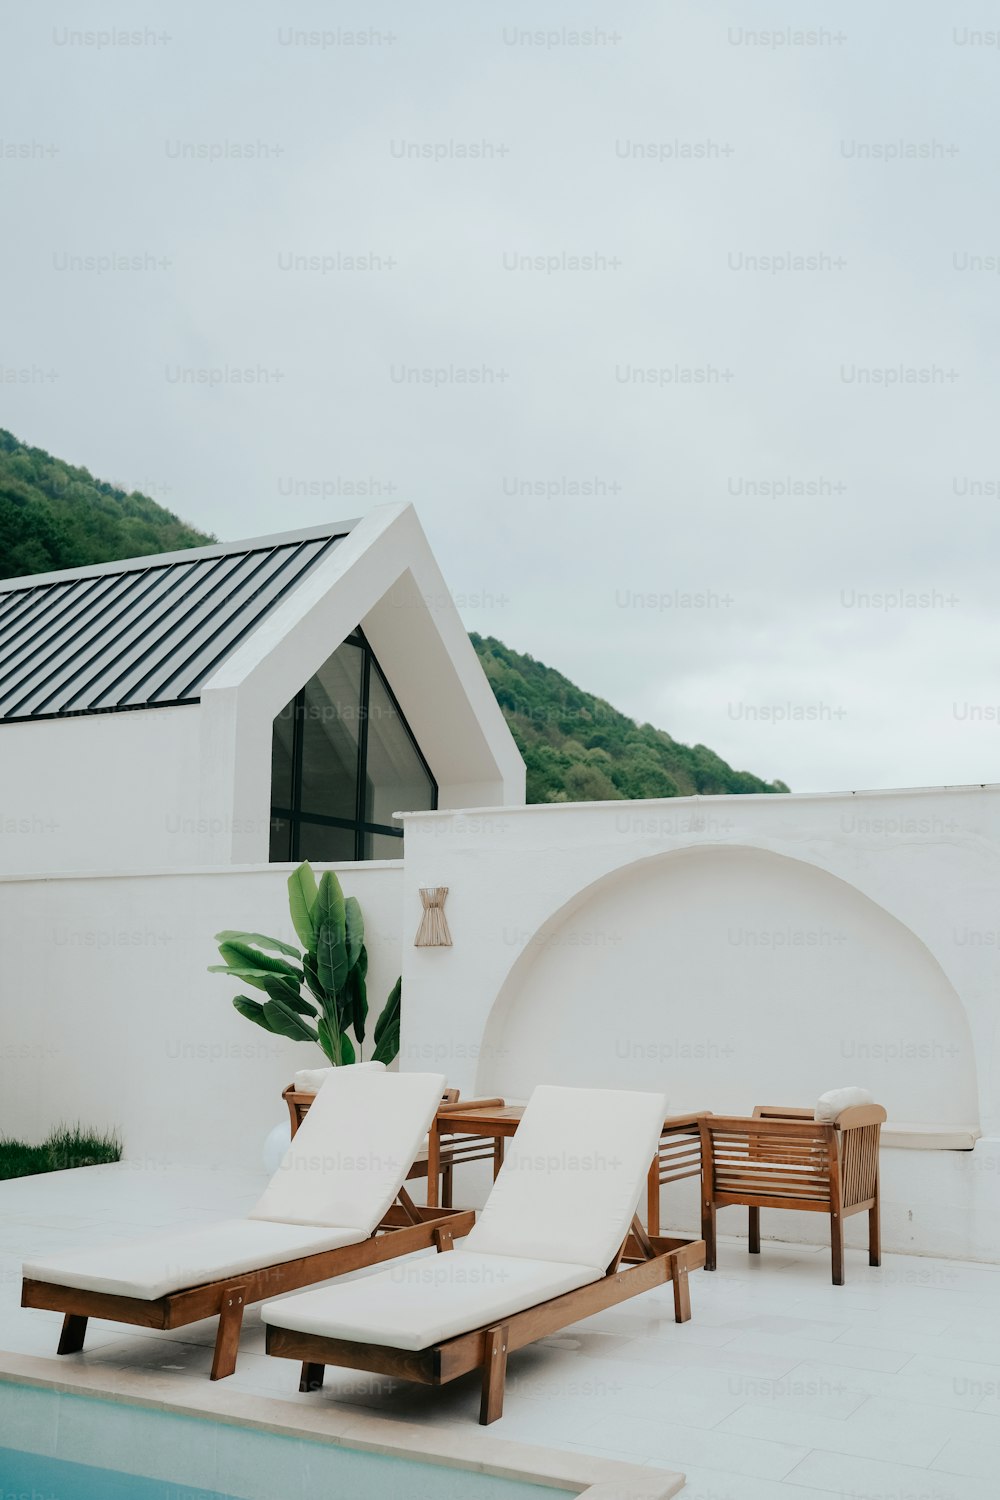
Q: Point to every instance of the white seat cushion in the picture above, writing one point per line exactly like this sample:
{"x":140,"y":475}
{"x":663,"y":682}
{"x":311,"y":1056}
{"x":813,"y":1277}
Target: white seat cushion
{"x":830,"y":1105}
{"x":156,"y":1264}
{"x":572,"y":1176}
{"x":418,"y":1302}
{"x":350,"y":1156}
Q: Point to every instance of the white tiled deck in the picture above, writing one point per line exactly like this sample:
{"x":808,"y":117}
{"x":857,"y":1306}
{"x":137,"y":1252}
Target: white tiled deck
{"x":782,"y":1387}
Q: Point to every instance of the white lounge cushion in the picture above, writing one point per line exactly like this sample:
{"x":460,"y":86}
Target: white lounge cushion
{"x":930,"y":1137}
{"x":572,"y":1176}
{"x":350,"y":1156}
{"x":311,"y":1080}
{"x":417,"y":1302}
{"x":156,"y":1264}
{"x":831,"y":1104}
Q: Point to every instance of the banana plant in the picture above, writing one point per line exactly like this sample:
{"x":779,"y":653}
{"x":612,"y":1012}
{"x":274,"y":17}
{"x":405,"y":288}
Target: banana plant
{"x":317,"y":994}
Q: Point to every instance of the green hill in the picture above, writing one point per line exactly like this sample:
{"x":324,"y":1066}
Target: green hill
{"x":54,"y":515}
{"x":577,"y":747}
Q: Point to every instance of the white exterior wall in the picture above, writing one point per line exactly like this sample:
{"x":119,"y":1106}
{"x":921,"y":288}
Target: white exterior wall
{"x":101,"y":791}
{"x":111,"y":1018}
{"x":732,"y":951}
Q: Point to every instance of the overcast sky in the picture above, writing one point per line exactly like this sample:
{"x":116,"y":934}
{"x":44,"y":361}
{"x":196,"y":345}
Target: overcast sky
{"x":657,"y":160}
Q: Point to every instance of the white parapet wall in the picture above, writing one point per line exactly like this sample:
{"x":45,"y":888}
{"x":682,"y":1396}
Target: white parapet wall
{"x":111,"y":1018}
{"x":734,"y":951}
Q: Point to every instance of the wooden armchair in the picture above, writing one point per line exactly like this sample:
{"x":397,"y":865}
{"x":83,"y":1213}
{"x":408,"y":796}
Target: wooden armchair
{"x":784,"y":1158}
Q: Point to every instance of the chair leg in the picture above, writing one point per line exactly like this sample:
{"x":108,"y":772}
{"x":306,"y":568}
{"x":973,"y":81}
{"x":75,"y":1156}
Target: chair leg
{"x":682,"y":1295}
{"x":837,"y":1247}
{"x":447,"y":1188}
{"x":755,"y":1231}
{"x":494,"y":1375}
{"x":74,"y":1331}
{"x":311,"y":1378}
{"x":227,"y":1340}
{"x":874,"y":1235}
{"x":708,"y":1233}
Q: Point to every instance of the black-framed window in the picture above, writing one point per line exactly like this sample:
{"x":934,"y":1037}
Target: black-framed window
{"x":343,"y":759}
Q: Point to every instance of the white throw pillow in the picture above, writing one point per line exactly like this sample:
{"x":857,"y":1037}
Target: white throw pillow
{"x":830,"y":1105}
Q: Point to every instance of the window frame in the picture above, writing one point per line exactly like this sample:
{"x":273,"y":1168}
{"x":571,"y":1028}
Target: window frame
{"x":359,"y":825}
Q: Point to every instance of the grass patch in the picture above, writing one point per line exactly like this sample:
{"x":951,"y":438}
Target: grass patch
{"x":67,"y":1146}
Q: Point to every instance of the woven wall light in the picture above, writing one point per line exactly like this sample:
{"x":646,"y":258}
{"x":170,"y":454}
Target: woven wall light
{"x":433,"y":930}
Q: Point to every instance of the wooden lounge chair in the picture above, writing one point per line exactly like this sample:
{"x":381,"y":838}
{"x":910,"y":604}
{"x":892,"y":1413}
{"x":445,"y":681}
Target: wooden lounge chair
{"x":335,"y":1204}
{"x":558,"y":1240}
{"x":786,"y":1158}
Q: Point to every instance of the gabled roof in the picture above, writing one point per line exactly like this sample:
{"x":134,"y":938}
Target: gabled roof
{"x":145,"y":632}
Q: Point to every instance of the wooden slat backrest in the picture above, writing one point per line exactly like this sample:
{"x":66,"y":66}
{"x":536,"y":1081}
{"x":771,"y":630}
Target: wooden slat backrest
{"x":858,"y":1132}
{"x":769,"y":1158}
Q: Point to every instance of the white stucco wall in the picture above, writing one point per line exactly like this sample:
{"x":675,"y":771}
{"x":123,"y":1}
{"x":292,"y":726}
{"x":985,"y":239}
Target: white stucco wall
{"x":101,"y":791}
{"x":731,"y":951}
{"x":110,"y":1017}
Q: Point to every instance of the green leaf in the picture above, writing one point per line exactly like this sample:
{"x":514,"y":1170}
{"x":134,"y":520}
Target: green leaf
{"x":312,"y":978}
{"x":301,"y":900}
{"x":241,"y":956}
{"x":358,"y":992}
{"x":387,"y":1027}
{"x":260,"y":940}
{"x":329,"y":1039}
{"x":355,"y":924}
{"x":288,"y":993}
{"x":346,"y":1050}
{"x":283,"y":1020}
{"x":330,"y":923}
{"x":256,"y":977}
{"x":252,"y":1010}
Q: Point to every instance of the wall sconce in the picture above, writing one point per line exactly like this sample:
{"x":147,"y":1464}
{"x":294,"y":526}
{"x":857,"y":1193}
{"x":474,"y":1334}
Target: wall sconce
{"x":433,"y":930}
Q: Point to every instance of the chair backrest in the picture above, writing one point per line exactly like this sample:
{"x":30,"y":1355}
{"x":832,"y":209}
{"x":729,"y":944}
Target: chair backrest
{"x":351,"y":1153}
{"x":769,"y":1157}
{"x":572,"y":1176}
{"x":783,"y":1152}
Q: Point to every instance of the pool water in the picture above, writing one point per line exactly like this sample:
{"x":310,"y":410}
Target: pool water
{"x":60,"y":1446}
{"x":29,"y":1476}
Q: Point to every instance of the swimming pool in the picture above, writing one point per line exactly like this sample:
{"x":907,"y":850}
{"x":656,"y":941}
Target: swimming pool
{"x":63,"y":1446}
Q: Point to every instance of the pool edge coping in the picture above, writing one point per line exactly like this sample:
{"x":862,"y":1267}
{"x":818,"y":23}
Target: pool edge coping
{"x":588,"y":1476}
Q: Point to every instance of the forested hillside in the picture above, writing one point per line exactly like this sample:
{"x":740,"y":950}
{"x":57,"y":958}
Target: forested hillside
{"x":579,"y":749}
{"x":54,"y":515}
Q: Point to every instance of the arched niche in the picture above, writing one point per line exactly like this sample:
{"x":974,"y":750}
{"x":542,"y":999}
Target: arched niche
{"x":729,"y":977}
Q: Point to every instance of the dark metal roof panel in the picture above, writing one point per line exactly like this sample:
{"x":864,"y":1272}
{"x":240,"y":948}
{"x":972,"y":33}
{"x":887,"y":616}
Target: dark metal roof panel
{"x":146,"y":636}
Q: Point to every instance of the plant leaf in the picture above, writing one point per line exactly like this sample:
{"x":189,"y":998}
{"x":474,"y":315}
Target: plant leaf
{"x":256,"y":977}
{"x":301,"y":900}
{"x":359,"y":994}
{"x":330,"y":923}
{"x":289,"y":994}
{"x":387,"y":1027}
{"x":355,"y":924}
{"x":312,"y":978}
{"x":283,"y":1020}
{"x":252,"y":1010}
{"x":346,"y":1050}
{"x":240,"y":956}
{"x":261,"y":941}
